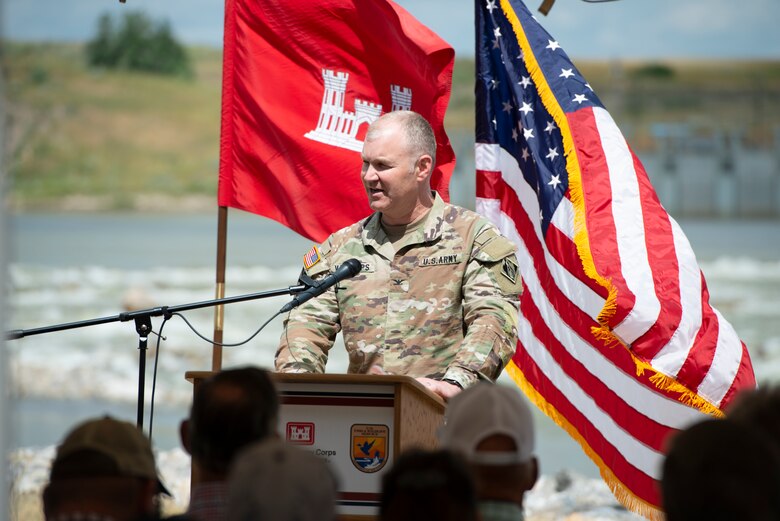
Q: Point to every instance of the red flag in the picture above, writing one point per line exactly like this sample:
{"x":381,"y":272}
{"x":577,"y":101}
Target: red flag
{"x":301,"y":82}
{"x":617,"y":340}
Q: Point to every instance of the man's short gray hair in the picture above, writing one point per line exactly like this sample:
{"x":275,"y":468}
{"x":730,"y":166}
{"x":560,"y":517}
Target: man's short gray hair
{"x":418,"y":132}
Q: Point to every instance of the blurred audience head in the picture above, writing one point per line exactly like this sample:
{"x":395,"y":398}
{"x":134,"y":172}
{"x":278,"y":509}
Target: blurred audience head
{"x":492,"y":427}
{"x":230,"y":410}
{"x":721,"y":470}
{"x":272,"y":480}
{"x":105,"y":469}
{"x":426,"y":485}
{"x":760,"y":409}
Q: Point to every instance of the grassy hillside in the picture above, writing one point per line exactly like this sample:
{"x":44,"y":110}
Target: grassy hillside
{"x":117,"y":136}
{"x":75,"y":130}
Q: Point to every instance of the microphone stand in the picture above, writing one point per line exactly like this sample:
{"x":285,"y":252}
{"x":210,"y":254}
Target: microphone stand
{"x":143,"y":326}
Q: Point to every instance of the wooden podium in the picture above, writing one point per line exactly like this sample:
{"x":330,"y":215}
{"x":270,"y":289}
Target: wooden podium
{"x":359,"y":423}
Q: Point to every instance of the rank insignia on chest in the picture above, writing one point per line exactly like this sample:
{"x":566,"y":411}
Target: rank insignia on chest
{"x":509,"y":269}
{"x":311,"y":258}
{"x":438,"y":260}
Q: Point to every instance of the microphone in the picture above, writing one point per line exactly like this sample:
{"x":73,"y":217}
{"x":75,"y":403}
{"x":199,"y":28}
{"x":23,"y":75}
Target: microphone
{"x":347,"y":270}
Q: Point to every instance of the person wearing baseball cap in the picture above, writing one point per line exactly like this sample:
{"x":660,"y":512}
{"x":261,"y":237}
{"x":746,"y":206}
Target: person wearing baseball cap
{"x":104,"y":469}
{"x":492,"y":427}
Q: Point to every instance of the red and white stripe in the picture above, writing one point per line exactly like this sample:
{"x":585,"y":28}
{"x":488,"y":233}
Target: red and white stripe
{"x":662,"y":314}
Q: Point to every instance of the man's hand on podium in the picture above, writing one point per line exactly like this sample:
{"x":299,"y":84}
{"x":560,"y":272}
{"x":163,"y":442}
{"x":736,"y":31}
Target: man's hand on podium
{"x":375,"y":369}
{"x":444,"y":389}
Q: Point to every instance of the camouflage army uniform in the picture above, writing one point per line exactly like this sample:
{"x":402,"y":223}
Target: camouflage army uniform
{"x":408,"y":311}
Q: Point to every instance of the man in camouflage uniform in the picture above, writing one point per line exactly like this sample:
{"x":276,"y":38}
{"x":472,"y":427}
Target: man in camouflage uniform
{"x":437,"y":295}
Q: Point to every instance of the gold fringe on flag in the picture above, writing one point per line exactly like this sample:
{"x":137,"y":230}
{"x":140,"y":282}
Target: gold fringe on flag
{"x":622,"y":493}
{"x":572,"y":167}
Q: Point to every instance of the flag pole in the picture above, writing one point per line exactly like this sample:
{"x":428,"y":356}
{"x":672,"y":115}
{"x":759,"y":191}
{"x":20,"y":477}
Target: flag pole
{"x":219,"y":311}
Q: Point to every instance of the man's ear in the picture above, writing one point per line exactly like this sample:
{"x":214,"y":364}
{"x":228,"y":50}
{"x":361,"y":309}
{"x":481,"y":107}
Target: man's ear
{"x":424,"y":167}
{"x":184,"y":434}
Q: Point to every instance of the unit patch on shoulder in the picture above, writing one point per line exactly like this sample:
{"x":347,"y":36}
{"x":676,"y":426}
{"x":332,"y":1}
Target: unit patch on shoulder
{"x":509,"y":269}
{"x":311,"y":258}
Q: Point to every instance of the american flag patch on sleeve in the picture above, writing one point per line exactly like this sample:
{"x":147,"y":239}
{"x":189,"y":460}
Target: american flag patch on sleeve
{"x":311,"y":258}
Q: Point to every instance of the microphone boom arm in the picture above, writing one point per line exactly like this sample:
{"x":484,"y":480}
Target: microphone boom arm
{"x":153,"y":312}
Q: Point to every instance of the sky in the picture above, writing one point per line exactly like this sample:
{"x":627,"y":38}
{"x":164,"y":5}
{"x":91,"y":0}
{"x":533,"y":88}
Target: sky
{"x":620,"y":29}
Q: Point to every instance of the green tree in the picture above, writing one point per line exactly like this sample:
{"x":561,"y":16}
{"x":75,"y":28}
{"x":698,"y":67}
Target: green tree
{"x":654,"y":71}
{"x":138,"y":43}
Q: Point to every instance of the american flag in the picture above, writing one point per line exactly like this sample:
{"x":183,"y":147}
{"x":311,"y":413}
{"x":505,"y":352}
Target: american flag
{"x":617,"y":340}
{"x":311,"y":257}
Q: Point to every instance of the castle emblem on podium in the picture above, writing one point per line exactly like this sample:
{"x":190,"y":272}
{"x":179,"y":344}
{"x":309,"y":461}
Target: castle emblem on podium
{"x":339,"y":127}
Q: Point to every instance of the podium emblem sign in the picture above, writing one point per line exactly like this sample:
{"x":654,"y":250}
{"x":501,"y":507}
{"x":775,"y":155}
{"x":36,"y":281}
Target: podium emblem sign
{"x":358,"y":423}
{"x":300,"y":433}
{"x":369,"y":447}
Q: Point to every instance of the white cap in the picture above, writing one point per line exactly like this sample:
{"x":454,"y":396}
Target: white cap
{"x":484,"y":410}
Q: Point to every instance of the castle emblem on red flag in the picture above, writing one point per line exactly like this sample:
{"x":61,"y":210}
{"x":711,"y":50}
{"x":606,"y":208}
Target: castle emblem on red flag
{"x":293,"y":120}
{"x":339,"y":127}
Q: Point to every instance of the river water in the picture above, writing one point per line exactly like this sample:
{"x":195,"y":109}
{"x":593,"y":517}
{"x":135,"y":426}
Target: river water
{"x":71,"y":267}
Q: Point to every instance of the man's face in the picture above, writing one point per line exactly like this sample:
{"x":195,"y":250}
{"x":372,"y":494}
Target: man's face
{"x":389,"y":174}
